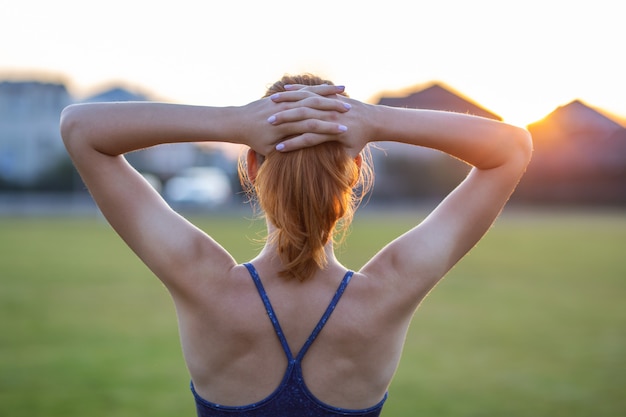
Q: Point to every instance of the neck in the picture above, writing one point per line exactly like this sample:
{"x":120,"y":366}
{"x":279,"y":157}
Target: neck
{"x":269,"y":253}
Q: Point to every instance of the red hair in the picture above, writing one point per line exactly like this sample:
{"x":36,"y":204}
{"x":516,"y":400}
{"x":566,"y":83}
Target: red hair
{"x":309,"y":195}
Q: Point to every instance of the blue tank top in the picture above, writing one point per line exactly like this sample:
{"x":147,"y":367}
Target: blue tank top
{"x":292,"y":398}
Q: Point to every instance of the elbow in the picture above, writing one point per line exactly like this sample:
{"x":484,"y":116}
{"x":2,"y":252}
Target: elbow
{"x":512,"y":148}
{"x":70,"y":126}
{"x":524,"y":145}
{"x":519,"y":150}
{"x":517,"y":146}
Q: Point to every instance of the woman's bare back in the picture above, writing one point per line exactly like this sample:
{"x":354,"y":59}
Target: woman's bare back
{"x":235,"y":357}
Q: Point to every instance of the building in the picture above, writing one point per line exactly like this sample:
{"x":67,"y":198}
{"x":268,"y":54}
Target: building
{"x":31,"y":149}
{"x":579,"y":157}
{"x":436,"y":96}
{"x":30,"y":142}
{"x":580,"y":151}
{"x":411,"y":172}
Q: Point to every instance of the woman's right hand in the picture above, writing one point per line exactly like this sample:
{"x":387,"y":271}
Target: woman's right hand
{"x":308,"y":115}
{"x":352,"y":126}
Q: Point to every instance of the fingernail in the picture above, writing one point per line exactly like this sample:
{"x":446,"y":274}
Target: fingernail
{"x":343,"y":128}
{"x":275,"y":96}
{"x":288,"y":86}
{"x":280,"y":147}
{"x":341,"y":87}
{"x":271,"y":119}
{"x":347,"y":106}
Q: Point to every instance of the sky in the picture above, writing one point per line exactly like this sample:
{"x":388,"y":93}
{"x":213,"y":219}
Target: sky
{"x":518,"y":59}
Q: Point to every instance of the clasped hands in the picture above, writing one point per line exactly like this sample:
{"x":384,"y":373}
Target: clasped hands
{"x":303,"y":116}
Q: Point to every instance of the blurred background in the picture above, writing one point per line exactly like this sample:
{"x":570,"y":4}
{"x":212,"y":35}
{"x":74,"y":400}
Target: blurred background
{"x":551,"y":66}
{"x":555,"y":67}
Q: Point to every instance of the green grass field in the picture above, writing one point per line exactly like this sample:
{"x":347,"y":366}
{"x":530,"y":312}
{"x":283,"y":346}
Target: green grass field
{"x":531,"y":323}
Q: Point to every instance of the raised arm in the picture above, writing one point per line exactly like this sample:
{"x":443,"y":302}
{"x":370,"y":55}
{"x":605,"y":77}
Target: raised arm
{"x":97,"y":135}
{"x":499,"y":153}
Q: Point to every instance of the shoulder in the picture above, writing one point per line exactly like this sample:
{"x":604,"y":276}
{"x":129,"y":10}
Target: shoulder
{"x":399,"y":276}
{"x":197,"y":269}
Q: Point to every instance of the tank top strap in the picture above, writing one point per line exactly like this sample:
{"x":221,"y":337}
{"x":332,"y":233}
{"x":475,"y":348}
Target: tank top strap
{"x":270,"y":310}
{"x":326,"y":316}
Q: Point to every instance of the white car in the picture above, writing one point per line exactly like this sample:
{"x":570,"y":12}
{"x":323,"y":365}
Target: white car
{"x":199,"y":187}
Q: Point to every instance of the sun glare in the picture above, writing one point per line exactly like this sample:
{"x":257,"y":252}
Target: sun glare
{"x":523,"y":116}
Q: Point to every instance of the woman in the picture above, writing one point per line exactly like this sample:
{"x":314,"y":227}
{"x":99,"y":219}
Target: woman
{"x":293,"y":332}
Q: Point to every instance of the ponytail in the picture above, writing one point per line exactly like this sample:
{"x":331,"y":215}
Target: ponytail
{"x":308,"y":195}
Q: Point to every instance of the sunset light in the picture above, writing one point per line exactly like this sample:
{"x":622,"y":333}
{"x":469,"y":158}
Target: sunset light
{"x":144,"y":179}
{"x":519,"y":60}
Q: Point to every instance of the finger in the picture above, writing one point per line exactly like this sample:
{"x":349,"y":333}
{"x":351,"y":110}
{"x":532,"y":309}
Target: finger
{"x":291,"y":96}
{"x":293,"y":89}
{"x":304,"y":113}
{"x":304,"y":141}
{"x":308,"y":139}
{"x":325,"y":89}
{"x":321,"y":89}
{"x":312,"y":126}
{"x":325,"y":103}
{"x":315,"y":108}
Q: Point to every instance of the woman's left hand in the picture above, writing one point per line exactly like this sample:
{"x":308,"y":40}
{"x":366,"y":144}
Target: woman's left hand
{"x":312,"y":113}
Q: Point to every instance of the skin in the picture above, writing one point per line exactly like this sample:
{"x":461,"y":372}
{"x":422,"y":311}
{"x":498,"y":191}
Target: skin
{"x":229,"y":345}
